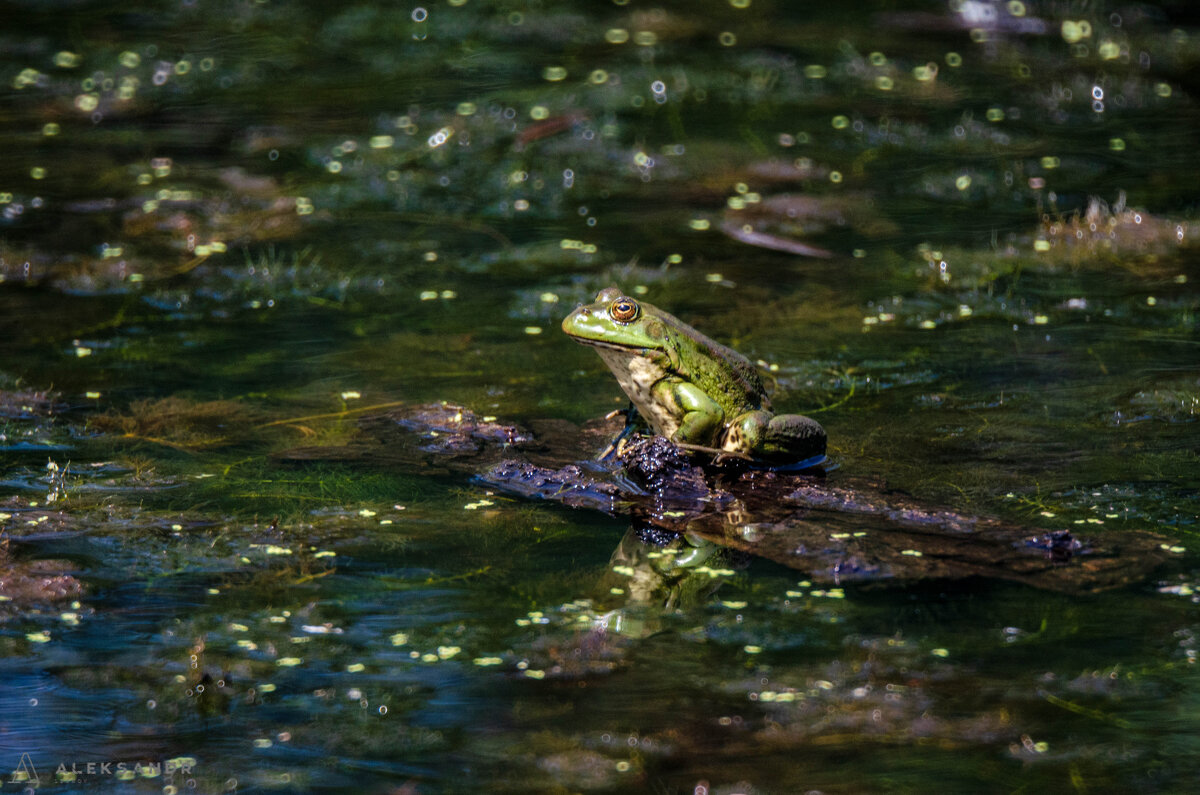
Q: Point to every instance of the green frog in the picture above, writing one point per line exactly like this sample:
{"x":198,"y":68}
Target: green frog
{"x":690,"y":389}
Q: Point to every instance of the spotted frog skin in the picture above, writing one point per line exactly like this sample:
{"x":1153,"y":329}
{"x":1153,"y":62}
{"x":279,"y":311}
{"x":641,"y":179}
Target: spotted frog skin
{"x":687,"y":387}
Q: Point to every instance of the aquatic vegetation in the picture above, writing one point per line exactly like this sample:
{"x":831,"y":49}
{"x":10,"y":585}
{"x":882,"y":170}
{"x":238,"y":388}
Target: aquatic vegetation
{"x":32,"y":587}
{"x":1118,"y":234}
{"x":28,"y":404}
{"x":180,"y":423}
{"x":1167,"y":404}
{"x":776,"y":222}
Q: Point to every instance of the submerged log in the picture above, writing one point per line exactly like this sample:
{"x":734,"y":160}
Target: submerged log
{"x":832,"y":527}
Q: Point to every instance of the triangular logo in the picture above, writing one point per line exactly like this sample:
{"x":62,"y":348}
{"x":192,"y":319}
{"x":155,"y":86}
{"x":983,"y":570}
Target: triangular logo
{"x":25,"y":772}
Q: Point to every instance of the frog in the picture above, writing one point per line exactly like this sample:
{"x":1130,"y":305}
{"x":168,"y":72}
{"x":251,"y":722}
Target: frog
{"x":696,"y":392}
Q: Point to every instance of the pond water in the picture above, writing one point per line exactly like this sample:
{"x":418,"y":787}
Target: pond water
{"x":962,"y":234}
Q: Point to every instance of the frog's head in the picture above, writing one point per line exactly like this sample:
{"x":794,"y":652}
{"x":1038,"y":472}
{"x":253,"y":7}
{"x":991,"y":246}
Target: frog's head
{"x":614,"y":320}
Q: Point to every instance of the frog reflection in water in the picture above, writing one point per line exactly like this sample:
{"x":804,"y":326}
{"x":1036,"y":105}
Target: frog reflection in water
{"x":690,"y":389}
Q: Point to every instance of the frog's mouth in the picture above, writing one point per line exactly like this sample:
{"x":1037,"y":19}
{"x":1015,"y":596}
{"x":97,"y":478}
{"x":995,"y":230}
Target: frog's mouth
{"x":612,"y":346}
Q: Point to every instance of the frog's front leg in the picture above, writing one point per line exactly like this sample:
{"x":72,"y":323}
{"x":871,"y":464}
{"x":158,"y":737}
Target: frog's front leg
{"x":699,"y":417}
{"x":633,"y":424}
{"x":760,"y":434}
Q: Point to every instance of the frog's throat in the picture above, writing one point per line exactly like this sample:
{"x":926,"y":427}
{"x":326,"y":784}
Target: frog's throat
{"x":638,"y":375}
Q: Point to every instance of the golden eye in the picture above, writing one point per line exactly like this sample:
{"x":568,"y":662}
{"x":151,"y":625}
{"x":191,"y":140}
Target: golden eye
{"x":623,"y":310}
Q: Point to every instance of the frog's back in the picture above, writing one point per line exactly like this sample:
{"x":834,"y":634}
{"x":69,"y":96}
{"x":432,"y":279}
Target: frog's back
{"x":735,"y":385}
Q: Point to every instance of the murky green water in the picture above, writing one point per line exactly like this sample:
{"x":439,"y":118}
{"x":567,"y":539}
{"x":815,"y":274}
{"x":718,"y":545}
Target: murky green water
{"x":229,"y":229}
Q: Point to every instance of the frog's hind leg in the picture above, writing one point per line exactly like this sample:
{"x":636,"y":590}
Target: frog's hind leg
{"x":793,"y":436}
{"x":782,"y":436}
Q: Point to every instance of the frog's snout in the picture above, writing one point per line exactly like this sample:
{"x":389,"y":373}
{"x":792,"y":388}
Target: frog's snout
{"x":570,"y":322}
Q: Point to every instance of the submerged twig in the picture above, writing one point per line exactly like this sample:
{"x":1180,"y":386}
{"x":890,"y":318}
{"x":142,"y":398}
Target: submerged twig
{"x":334,"y":414}
{"x":1079,"y":709}
{"x":842,"y":402}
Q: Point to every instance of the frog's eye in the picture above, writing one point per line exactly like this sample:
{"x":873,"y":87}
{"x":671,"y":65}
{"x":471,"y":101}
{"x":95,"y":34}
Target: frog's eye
{"x":623,"y":310}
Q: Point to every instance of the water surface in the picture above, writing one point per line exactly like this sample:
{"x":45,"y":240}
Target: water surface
{"x":230,"y":229}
